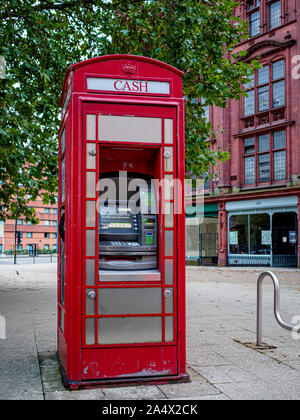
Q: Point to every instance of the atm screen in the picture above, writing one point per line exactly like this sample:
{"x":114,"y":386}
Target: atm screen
{"x":116,"y":218}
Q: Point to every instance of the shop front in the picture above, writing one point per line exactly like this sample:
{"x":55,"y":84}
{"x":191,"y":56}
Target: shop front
{"x":263,"y":232}
{"x":202,"y":235}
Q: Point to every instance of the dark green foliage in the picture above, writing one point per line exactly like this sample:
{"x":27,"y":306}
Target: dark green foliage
{"x":40,"y":39}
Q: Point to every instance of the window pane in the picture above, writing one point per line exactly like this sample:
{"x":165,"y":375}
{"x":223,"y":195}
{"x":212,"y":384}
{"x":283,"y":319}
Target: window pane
{"x":278,"y":94}
{"x":264,"y":143}
{"x":122,"y":330}
{"x":238,"y":234}
{"x":264,"y":167}
{"x":278,"y":70}
{"x":251,"y":83}
{"x":130,"y":129}
{"x":249,"y":104}
{"x":279,"y":139}
{"x":279,"y":165}
{"x":260,"y":234}
{"x":250,"y":170}
{"x":263,"y":75}
{"x":263,"y":98}
{"x":249,"y":146}
{"x":275,"y":15}
{"x":255,"y":24}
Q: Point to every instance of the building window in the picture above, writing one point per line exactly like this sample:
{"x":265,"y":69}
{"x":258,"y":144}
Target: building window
{"x":265,"y":89}
{"x":254,"y":17}
{"x":278,"y":76}
{"x":19,"y":221}
{"x":265,"y":158}
{"x":54,"y":211}
{"x":46,"y":247}
{"x":54,"y":222}
{"x":249,"y":104}
{"x":46,"y":235}
{"x":47,"y":222}
{"x":54,"y":235}
{"x":250,"y":234}
{"x":47,"y":210}
{"x":28,"y":234}
{"x":275,"y":15}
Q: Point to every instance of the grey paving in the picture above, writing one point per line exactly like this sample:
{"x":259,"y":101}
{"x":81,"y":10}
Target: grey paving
{"x":221,"y":332}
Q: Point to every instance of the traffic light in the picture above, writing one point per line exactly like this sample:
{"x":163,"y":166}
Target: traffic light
{"x":19,"y":237}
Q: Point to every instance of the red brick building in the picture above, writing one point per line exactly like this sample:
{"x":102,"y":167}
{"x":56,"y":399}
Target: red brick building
{"x":43,"y":235}
{"x":256,"y":193}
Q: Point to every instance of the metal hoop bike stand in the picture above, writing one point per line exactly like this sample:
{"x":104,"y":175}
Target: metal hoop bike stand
{"x":276,"y":306}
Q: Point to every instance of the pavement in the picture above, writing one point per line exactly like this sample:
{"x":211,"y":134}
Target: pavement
{"x":223,"y":362}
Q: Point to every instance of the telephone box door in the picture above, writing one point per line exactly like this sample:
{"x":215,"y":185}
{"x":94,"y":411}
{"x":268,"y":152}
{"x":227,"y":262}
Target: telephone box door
{"x":129,"y":298}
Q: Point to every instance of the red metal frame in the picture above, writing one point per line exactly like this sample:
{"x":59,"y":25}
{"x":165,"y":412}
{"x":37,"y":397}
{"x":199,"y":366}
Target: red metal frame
{"x":82,"y":364}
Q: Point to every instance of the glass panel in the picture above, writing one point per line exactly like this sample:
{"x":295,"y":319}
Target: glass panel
{"x":278,"y":70}
{"x":279,"y":139}
{"x":263,"y":75}
{"x":169,"y":215}
{"x":89,"y":303}
{"x":264,"y":167}
{"x":251,"y":82}
{"x":169,"y":246}
{"x":264,"y":143}
{"x":168,"y":131}
{"x":249,"y":146}
{"x":255,"y":24}
{"x":249,"y":103}
{"x":260,"y":234}
{"x":275,"y":15}
{"x":90,"y":243}
{"x":130,"y":330}
{"x":238,"y":234}
{"x":279,"y":165}
{"x":250,"y":170}
{"x":90,"y":156}
{"x":263,"y":98}
{"x":168,"y":187}
{"x":169,"y":272}
{"x":130,"y":129}
{"x":279,"y":94}
{"x":90,"y":331}
{"x":90,"y":185}
{"x":90,"y":272}
{"x":169,"y":301}
{"x":63,"y":141}
{"x":169,"y":329}
{"x":63,"y":180}
{"x":62,"y":320}
{"x":168,"y":160}
{"x":91,"y":127}
{"x":130,"y":301}
{"x":91,"y":213}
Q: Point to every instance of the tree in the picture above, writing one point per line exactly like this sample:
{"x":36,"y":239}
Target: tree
{"x":40,"y":39}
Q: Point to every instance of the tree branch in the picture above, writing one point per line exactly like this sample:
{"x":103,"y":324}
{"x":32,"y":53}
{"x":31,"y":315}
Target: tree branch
{"x":49,"y":6}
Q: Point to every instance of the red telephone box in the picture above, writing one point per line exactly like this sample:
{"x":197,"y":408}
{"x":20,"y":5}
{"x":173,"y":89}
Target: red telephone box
{"x":121,"y":268}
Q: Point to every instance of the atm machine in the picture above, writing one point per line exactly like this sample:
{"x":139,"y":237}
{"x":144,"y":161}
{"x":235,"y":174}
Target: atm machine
{"x":128,"y":244}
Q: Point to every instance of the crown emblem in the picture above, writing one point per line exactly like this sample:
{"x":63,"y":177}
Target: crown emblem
{"x":129,"y":68}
